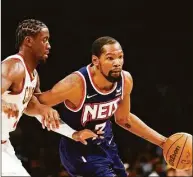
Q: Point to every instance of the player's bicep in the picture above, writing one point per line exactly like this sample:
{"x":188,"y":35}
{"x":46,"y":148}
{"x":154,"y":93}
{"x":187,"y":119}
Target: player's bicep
{"x":123,"y":109}
{"x":61,"y":91}
{"x":11,"y":71}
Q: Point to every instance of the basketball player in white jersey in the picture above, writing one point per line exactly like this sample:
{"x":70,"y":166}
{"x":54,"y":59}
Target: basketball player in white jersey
{"x":19,"y":82}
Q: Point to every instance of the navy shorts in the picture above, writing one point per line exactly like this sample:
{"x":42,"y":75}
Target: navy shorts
{"x":91,"y":160}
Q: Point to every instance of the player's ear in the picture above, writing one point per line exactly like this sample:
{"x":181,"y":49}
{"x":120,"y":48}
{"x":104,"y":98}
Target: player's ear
{"x":28,"y":40}
{"x":95,"y":60}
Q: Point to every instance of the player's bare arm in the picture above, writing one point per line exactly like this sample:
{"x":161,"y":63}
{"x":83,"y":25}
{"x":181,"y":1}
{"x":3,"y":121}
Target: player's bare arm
{"x":50,"y":117}
{"x":131,"y":122}
{"x":65,"y":90}
{"x":12,"y":76}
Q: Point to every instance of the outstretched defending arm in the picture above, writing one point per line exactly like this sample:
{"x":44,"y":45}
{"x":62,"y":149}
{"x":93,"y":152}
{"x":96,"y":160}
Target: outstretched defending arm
{"x":63,"y":90}
{"x":49,"y":116}
{"x":131,"y":122}
{"x":67,"y":89}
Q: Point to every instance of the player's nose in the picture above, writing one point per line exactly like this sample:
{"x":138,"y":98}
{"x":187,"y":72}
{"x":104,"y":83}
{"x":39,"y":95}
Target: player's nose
{"x":117,"y":63}
{"x":48,"y":46}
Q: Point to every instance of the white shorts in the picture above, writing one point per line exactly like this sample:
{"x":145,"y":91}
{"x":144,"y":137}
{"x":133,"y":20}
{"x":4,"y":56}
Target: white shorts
{"x":11,"y":165}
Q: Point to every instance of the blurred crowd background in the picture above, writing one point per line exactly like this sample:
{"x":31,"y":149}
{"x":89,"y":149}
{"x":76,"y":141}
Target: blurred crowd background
{"x":157,"y":39}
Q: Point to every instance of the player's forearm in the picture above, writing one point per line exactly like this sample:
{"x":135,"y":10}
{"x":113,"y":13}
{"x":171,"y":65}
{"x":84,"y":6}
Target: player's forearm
{"x":139,"y":128}
{"x":33,"y":108}
{"x":48,"y":98}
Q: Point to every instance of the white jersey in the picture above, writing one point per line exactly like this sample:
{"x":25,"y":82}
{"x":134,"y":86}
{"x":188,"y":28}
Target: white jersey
{"x":20,"y":99}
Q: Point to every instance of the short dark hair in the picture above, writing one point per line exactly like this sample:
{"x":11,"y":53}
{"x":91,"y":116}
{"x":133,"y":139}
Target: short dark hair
{"x":97,"y":46}
{"x":28,"y":27}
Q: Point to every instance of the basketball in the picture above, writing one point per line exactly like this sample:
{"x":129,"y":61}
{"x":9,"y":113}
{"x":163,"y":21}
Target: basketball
{"x":177,"y":151}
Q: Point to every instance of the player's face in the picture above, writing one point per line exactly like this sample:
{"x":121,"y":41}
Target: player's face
{"x":111,"y":62}
{"x":41,"y":45}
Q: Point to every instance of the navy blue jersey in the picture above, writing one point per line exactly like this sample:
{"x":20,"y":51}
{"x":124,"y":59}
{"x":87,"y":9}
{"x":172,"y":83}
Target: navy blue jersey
{"x":100,"y":157}
{"x":96,"y":107}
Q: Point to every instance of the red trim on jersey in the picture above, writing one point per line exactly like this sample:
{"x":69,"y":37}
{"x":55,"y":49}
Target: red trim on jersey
{"x":3,"y":141}
{"x":83,"y":94}
{"x":15,"y":124}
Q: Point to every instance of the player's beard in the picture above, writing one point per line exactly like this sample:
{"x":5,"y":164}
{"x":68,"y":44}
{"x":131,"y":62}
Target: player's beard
{"x":41,"y":61}
{"x":110,"y":77}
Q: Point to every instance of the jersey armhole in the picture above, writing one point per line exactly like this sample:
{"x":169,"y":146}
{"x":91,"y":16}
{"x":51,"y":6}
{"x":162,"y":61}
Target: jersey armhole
{"x":83,"y":94}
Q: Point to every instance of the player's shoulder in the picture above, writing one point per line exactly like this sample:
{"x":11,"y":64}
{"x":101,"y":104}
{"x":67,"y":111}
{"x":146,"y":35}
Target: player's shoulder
{"x":73,"y":80}
{"x":127,"y":76}
{"x":128,"y":81}
{"x":13,"y":66}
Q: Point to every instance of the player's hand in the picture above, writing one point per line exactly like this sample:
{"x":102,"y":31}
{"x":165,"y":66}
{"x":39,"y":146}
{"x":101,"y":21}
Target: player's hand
{"x":99,"y":133}
{"x":163,"y":142}
{"x":82,"y":135}
{"x":50,"y":117}
{"x":10,"y":109}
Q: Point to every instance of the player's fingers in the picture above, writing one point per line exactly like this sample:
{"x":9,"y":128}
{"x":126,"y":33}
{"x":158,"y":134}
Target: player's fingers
{"x":16,"y":111}
{"x":56,"y":118}
{"x":99,"y":132}
{"x":9,"y":114}
{"x":101,"y":137}
{"x":83,"y":141}
{"x":43,"y":122}
{"x":52,"y":120}
{"x":47,"y":122}
{"x":94,"y":138}
{"x":91,"y":135}
{"x":12,"y":112}
{"x":7,"y":110}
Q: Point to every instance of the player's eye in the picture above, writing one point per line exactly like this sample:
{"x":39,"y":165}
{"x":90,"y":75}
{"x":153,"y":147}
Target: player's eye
{"x":45,"y":39}
{"x":109,"y":58}
{"x":121,"y":56}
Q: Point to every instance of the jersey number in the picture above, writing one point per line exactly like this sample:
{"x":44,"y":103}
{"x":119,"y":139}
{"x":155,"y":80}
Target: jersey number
{"x":100,"y":127}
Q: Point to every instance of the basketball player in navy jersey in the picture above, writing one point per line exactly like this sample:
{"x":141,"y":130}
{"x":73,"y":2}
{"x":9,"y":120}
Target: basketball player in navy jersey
{"x":91,"y":96}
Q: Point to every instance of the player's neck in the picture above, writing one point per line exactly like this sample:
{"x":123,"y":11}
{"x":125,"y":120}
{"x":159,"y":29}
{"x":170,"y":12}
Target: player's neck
{"x":29,"y":59}
{"x":100,"y":81}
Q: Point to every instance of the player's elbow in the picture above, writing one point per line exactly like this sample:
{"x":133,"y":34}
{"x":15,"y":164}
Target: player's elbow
{"x":44,"y":98}
{"x":121,"y":120}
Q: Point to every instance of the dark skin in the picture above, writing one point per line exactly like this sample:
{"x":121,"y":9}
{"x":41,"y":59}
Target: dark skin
{"x":32,"y":49}
{"x":111,"y":60}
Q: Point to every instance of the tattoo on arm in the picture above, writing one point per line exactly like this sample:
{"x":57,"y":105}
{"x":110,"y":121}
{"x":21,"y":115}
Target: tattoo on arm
{"x":127,"y":125}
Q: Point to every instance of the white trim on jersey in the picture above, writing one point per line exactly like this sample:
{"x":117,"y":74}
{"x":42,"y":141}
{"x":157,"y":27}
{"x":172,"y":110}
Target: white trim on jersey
{"x":123,"y":83}
{"x":98,"y":91}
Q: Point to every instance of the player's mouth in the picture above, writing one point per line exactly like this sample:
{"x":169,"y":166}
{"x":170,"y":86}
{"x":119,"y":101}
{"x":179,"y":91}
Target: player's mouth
{"x":47,"y":52}
{"x":116,"y":71}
